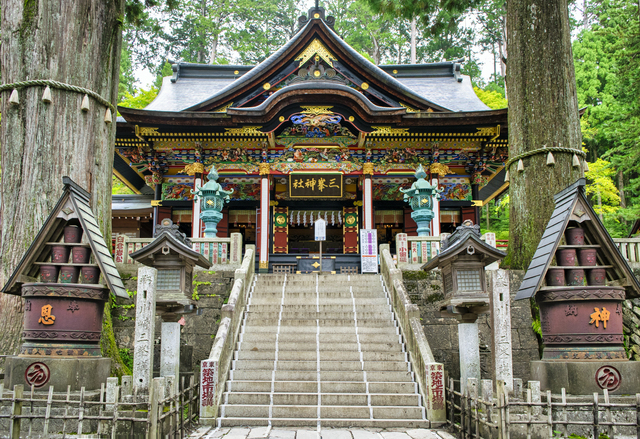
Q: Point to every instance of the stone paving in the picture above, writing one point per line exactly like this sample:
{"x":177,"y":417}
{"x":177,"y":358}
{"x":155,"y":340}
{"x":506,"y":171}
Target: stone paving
{"x":209,"y":432}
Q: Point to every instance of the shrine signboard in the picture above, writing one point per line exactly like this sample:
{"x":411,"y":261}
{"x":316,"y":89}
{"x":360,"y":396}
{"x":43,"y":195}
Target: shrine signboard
{"x":315,"y":185}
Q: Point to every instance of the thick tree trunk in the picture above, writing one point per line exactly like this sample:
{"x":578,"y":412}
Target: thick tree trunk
{"x":543,"y":110}
{"x":414,"y":35}
{"x":77,"y":43}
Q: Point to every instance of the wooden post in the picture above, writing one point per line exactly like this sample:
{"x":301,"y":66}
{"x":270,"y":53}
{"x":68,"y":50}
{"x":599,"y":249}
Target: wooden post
{"x":610,"y":428}
{"x":115,"y":412}
{"x":81,"y":411}
{"x":529,"y":413}
{"x":550,"y":409}
{"x":182,"y":392}
{"x":506,"y":416}
{"x":47,"y":413}
{"x":16,"y":410}
{"x":190,"y":404}
{"x":638,"y":414}
{"x":595,"y":416}
{"x":31,"y":410}
{"x":156,"y":393}
{"x":66,"y":411}
{"x":564,"y":412}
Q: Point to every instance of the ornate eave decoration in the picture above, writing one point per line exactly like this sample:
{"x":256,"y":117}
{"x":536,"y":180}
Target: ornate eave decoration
{"x":223,"y":109}
{"x":146,"y":131}
{"x":409,"y":109}
{"x":194,"y":168}
{"x":316,"y":110}
{"x":336,"y":141}
{"x":389,"y":131}
{"x":316,"y":48}
{"x":493,"y":132}
{"x":244,"y":131}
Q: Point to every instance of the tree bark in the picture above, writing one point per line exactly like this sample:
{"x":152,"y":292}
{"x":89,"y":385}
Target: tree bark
{"x":74,"y":42}
{"x":543,"y":110}
{"x":414,"y":35}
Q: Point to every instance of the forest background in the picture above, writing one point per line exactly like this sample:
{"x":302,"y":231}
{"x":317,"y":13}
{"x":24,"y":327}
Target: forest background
{"x":606,"y":52}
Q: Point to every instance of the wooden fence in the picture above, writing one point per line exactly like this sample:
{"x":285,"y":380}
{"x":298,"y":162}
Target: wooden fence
{"x":474,"y":415}
{"x":114,"y":411}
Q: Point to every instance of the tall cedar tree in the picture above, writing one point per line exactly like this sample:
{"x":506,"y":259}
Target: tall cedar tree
{"x":76,"y":43}
{"x":543,"y":107}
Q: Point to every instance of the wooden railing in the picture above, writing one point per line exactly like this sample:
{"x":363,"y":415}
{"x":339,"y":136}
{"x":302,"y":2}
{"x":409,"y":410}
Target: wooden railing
{"x":214,"y":370}
{"x":421,"y":249}
{"x":216,"y":250}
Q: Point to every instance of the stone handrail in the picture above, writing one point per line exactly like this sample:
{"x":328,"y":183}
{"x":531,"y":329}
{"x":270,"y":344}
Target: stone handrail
{"x":215,"y":369}
{"x":429,"y":374}
{"x":630,"y":249}
{"x":216,"y":250}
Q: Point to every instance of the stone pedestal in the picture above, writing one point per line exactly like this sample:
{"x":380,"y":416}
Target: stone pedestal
{"x":469,"y":345}
{"x":588,"y":377}
{"x":59,"y":372}
{"x":145,"y":328}
{"x":170,"y":350}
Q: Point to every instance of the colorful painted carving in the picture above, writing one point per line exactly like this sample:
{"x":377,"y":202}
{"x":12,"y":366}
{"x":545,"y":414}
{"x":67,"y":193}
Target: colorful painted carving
{"x":177,"y":192}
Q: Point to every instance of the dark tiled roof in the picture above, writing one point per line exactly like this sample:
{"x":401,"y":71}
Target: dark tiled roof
{"x":565,"y":203}
{"x":437,"y":84}
{"x":52,"y":230}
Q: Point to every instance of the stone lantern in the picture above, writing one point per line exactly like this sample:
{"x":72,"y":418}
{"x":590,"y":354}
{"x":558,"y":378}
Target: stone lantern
{"x":213,"y":198}
{"x":420,"y":198}
{"x":462,"y":262}
{"x":171,"y":255}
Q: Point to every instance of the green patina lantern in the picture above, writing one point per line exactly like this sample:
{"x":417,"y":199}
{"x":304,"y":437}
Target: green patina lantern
{"x":420,"y":197}
{"x":212,"y":198}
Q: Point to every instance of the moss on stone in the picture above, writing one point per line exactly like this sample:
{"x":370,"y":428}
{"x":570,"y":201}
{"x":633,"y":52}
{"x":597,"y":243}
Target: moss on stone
{"x":109,"y":347}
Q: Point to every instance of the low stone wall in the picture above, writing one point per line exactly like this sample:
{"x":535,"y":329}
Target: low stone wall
{"x":212,"y":289}
{"x":425,"y":289}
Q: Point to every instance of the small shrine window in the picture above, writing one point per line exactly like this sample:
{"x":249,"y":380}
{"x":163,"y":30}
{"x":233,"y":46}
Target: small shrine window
{"x":168,"y":279}
{"x":469,"y":280}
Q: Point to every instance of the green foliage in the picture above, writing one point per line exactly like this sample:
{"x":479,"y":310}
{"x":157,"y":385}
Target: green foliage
{"x":492,"y":99}
{"x":141,"y":99}
{"x":118,"y":187}
{"x":498,"y":218}
{"x":127,"y":80}
{"x":127,"y":358}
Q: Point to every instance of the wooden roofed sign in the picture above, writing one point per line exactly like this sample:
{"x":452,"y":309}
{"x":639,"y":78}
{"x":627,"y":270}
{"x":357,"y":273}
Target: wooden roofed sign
{"x":573,"y":208}
{"x":73,"y":206}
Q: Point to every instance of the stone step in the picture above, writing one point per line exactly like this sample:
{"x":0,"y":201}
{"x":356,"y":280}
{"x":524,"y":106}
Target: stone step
{"x":325,"y":375}
{"x":326,"y":399}
{"x":310,"y":293}
{"x":311,"y":300}
{"x":295,"y":355}
{"x":311,"y":411}
{"x":308,"y":329}
{"x":308,"y":337}
{"x":301,"y":315}
{"x":377,"y":323}
{"x":324,"y":365}
{"x":325,"y":386}
{"x":323,"y":307}
{"x":326,"y":423}
{"x":311,"y":346}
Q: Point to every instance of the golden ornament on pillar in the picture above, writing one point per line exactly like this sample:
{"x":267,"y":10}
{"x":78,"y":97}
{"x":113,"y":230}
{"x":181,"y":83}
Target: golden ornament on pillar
{"x":194,"y":168}
{"x":264,"y":264}
{"x":367,"y":168}
{"x":264,"y":169}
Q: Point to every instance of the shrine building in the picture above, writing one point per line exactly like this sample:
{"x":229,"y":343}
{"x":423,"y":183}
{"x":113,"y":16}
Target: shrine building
{"x":315,"y":130}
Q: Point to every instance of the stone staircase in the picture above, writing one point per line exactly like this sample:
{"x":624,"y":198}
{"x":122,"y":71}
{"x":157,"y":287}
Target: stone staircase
{"x":322,"y":351}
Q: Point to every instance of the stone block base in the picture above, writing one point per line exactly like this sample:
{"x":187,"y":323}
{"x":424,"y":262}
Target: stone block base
{"x":88,"y":372}
{"x":583,"y":377}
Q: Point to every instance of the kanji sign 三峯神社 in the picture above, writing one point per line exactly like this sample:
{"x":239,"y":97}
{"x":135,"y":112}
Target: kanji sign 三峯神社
{"x":312,"y":185}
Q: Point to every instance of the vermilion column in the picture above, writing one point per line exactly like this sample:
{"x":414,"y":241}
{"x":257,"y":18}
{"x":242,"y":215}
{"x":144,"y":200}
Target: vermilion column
{"x":264,"y":218}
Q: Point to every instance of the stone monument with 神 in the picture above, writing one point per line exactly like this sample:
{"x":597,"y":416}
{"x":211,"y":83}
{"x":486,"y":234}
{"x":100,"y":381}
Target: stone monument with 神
{"x":580,"y":301}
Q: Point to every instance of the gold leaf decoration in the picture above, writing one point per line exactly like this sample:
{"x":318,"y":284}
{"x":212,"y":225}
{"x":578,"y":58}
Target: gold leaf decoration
{"x":388,"y":131}
{"x":244,"y":131}
{"x":194,"y":168}
{"x":316,"y":110}
{"x":316,"y":48}
{"x":440,"y":169}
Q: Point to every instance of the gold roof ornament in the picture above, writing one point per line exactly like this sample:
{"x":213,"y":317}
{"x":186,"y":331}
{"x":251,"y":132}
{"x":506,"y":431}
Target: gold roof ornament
{"x":244,"y":131}
{"x":410,"y":109}
{"x":146,"y":131}
{"x":223,"y":109}
{"x":264,"y":169}
{"x":367,"y":168}
{"x":389,"y":131}
{"x":316,"y":48}
{"x":194,"y":168}
{"x":440,"y":169}
{"x":316,"y":110}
